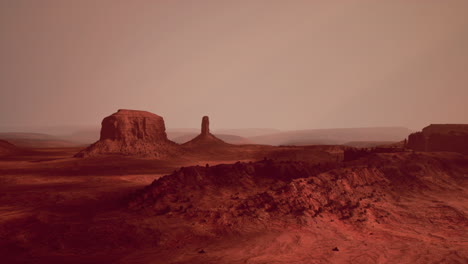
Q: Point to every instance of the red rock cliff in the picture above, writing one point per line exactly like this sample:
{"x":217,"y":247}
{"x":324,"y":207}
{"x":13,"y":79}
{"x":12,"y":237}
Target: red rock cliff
{"x":131,"y":132}
{"x":441,"y":137}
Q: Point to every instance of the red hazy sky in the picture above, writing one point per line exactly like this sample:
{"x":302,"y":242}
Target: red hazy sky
{"x":245,"y":63}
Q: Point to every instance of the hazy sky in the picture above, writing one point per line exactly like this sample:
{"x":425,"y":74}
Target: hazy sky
{"x":279,"y":64}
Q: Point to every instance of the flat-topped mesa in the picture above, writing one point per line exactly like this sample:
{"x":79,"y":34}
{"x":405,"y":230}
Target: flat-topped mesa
{"x":205,"y":127}
{"x":440,"y":137}
{"x":132,"y":132}
{"x":452,"y":129}
{"x":129,"y":125}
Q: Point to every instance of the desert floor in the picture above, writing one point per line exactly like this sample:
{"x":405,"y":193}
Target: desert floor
{"x":59,"y":209}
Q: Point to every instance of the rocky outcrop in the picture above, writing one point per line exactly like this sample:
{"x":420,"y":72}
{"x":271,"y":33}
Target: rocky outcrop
{"x":205,"y":126}
{"x":350,"y":153}
{"x":227,"y":192}
{"x":416,"y":141}
{"x":263,"y":192}
{"x":440,"y":137}
{"x":131,"y":132}
{"x":445,"y":129}
{"x":205,"y":139}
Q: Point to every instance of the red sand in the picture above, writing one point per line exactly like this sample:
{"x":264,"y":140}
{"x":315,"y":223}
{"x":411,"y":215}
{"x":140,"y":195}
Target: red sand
{"x":387,"y":208}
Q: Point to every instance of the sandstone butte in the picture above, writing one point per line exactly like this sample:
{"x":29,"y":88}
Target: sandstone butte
{"x":205,"y":139}
{"x":132,"y":133}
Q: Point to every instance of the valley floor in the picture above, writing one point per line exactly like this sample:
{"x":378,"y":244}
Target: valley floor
{"x":58,"y":209}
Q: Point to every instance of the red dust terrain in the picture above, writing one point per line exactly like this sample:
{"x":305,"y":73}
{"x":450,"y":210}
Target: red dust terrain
{"x":134,"y":196}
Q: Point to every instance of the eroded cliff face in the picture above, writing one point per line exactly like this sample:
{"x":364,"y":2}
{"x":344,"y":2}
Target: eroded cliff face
{"x":131,"y":125}
{"x":417,"y":141}
{"x":443,"y":137}
{"x":131,"y":132}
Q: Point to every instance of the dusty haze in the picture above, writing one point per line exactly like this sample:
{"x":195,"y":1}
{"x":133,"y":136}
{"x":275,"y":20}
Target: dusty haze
{"x":279,"y":64}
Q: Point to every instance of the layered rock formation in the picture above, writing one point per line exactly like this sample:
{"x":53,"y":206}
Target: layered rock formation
{"x":131,"y":132}
{"x":205,"y":139}
{"x":269,"y":193}
{"x":440,"y":137}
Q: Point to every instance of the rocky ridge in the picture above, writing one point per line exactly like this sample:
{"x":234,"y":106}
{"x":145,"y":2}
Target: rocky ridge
{"x":266,"y":193}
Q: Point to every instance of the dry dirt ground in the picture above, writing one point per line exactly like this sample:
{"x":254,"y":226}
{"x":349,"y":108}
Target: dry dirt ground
{"x":59,"y":209}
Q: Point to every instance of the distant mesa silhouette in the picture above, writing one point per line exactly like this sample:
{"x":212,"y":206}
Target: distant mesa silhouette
{"x":132,"y":132}
{"x":440,"y":137}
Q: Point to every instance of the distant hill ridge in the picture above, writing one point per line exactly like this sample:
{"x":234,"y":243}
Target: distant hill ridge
{"x":333,"y":136}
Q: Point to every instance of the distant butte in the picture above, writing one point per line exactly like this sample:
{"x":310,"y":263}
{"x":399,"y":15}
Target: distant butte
{"x":205,"y":126}
{"x":132,"y":133}
{"x":205,"y":139}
